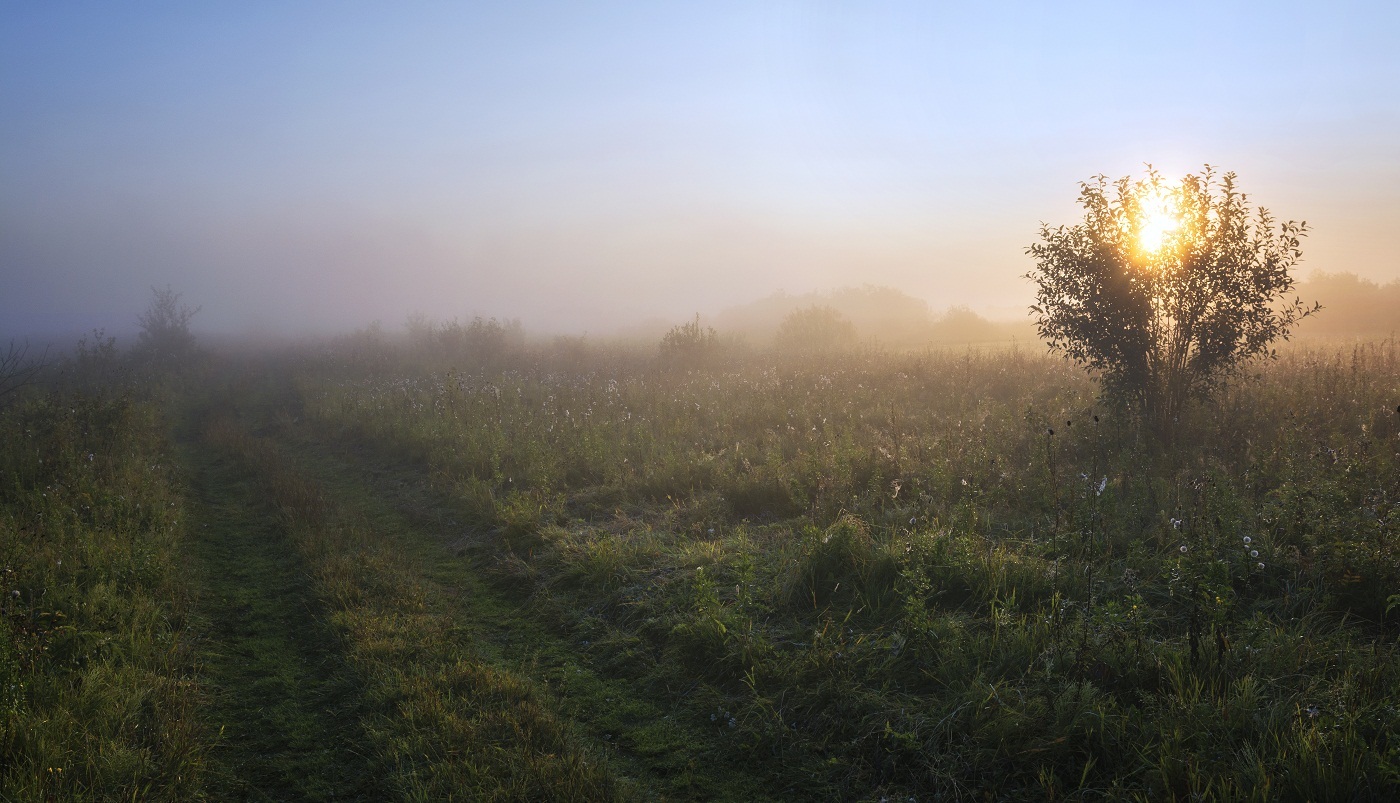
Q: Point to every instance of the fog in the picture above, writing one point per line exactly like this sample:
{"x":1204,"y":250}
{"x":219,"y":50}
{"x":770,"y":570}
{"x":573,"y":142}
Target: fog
{"x":312,"y":170}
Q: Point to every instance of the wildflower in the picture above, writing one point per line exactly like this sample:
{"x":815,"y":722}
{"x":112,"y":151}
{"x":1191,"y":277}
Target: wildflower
{"x":1261,"y":567}
{"x":1248,"y":540}
{"x":1184,"y":549}
{"x":1313,"y":711}
{"x":1254,"y":553}
{"x":1176,"y":524}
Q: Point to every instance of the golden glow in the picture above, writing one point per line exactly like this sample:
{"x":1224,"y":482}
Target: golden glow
{"x":1158,"y":217}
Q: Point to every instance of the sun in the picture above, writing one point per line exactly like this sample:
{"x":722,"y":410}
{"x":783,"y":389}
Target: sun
{"x":1159,"y":216}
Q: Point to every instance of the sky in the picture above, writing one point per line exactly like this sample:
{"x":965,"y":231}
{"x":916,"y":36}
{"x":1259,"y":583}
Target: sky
{"x":312,"y":167}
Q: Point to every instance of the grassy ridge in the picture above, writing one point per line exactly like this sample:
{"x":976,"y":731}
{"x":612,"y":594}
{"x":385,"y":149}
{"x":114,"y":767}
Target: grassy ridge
{"x":98,"y":692}
{"x":952,"y":573}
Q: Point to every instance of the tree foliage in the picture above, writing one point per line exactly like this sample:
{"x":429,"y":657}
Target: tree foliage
{"x":18,"y":368}
{"x":165,"y":335}
{"x":815,"y":330}
{"x":1165,"y":319}
{"x":689,"y":344}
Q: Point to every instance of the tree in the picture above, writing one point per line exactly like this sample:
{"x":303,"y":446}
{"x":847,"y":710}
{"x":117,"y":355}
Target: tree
{"x":18,"y":369}
{"x":815,"y":330}
{"x":690,"y":344}
{"x":1165,"y":290}
{"x":165,"y":328}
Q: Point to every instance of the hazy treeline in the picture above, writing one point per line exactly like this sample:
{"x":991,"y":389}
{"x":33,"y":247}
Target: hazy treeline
{"x":817,"y":322}
{"x":1351,"y":306}
{"x":887,"y":316}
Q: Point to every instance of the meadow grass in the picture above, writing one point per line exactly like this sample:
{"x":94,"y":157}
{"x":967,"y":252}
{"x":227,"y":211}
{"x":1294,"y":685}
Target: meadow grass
{"x":587,"y":574}
{"x":99,"y":696}
{"x":438,"y":721}
{"x":948,"y":572}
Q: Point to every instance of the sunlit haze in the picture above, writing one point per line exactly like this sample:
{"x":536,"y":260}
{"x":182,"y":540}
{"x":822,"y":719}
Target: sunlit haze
{"x":1160,"y":218}
{"x":313,"y":167}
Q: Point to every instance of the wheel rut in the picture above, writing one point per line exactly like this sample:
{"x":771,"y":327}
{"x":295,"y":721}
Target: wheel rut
{"x":283,"y":699}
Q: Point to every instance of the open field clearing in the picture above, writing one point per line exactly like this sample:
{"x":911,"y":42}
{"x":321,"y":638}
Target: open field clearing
{"x":368,"y":572}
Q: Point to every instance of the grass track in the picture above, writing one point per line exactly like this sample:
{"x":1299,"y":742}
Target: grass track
{"x":435,"y":681}
{"x":650,"y":741}
{"x":283,"y":695}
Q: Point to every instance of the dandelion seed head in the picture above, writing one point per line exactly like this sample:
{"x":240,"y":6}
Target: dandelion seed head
{"x":1254,"y":553}
{"x":1184,"y":549}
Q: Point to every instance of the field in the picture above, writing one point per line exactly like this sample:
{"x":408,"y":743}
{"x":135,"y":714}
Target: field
{"x":376,"y":570}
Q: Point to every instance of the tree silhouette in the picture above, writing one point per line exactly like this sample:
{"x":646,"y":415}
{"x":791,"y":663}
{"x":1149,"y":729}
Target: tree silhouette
{"x":165,"y":335}
{"x":815,"y":330}
{"x":689,"y":344}
{"x":1165,"y":290}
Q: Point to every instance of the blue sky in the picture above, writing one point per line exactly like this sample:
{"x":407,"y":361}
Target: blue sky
{"x":317,"y":166}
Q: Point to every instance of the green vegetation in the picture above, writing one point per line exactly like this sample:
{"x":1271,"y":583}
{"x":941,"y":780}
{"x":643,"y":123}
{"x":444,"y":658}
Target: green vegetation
{"x":576,"y":573}
{"x":1166,"y":291}
{"x":98,"y":699}
{"x":937,"y":573}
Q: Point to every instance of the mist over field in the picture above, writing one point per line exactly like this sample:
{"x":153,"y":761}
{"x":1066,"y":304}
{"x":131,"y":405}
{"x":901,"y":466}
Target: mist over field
{"x":699,"y":402}
{"x":590,"y":169}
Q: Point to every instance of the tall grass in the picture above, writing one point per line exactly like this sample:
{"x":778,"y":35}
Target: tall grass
{"x":98,"y":692}
{"x":949,"y":572}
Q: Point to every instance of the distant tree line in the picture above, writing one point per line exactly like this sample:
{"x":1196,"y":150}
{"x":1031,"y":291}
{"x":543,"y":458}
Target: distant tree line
{"x":1351,"y":306}
{"x":884,"y":316}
